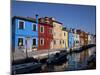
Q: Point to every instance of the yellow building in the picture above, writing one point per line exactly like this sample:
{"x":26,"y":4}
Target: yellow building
{"x":64,"y":38}
{"x":60,"y":36}
{"x":57,"y":35}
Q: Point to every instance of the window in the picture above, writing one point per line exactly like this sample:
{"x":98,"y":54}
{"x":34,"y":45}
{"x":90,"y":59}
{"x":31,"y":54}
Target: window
{"x":41,"y":28}
{"x":51,"y":31}
{"x":41,"y":41}
{"x":21,"y":24}
{"x":54,"y":25}
{"x":63,"y":41}
{"x":54,"y":42}
{"x":34,"y":42}
{"x":77,"y":41}
{"x":64,"y":34}
{"x":34,"y":27}
{"x":60,"y":41}
{"x":20,"y":41}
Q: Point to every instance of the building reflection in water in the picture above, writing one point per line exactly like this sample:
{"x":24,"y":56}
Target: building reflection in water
{"x":76,"y":61}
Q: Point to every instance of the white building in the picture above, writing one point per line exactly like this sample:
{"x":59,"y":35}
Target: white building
{"x":76,"y":39}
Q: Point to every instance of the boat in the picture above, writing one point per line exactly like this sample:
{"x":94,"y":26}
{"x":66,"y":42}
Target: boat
{"x":25,"y":68}
{"x":57,"y":58}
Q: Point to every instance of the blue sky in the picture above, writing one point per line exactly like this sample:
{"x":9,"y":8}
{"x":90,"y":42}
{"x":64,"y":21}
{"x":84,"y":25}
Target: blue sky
{"x":72,"y":16}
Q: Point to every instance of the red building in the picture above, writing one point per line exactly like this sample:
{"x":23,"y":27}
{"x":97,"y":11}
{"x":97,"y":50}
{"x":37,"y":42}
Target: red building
{"x":45,"y":33}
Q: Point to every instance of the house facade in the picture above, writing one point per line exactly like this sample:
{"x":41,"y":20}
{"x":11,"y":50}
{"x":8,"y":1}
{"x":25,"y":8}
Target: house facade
{"x":86,"y":52}
{"x":91,"y":39}
{"x":83,"y":42}
{"x":70,"y":39}
{"x":83,"y":36}
{"x":57,"y":33}
{"x":64,"y":38}
{"x":24,"y":33}
{"x":94,"y":39}
{"x":76,"y":39}
{"x":45,"y":33}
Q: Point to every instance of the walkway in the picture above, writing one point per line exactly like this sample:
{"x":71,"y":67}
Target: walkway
{"x":36,"y":54}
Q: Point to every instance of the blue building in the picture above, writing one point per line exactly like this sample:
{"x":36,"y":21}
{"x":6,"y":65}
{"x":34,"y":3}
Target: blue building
{"x":70,"y":39}
{"x":24,"y":33}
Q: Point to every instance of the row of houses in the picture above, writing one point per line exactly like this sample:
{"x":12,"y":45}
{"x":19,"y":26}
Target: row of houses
{"x":46,"y":33}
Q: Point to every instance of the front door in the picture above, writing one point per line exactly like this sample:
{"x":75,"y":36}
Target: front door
{"x":28,"y":44}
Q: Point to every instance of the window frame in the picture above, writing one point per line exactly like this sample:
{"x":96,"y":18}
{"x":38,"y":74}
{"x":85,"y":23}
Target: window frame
{"x":43,"y":29}
{"x":22,"y":42}
{"x":54,"y":42}
{"x":32,"y":42}
{"x":40,"y":41}
{"x":50,"y":31}
{"x":33,"y":24}
{"x":60,"y":42}
{"x":64,"y":33}
{"x":63,"y":42}
{"x":19,"y":24}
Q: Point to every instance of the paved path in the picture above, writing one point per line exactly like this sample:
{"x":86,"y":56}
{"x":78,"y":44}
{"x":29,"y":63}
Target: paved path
{"x":36,"y":54}
{"x":19,"y":54}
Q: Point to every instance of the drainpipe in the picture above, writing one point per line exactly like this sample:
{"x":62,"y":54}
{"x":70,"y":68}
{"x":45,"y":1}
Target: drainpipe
{"x":36,"y":16}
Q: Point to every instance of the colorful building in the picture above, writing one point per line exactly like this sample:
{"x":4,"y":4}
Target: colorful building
{"x":85,"y":38}
{"x":94,"y":39}
{"x":80,"y":35}
{"x":91,"y":41}
{"x":70,"y":39}
{"x":76,"y":39}
{"x":86,"y":54}
{"x":57,"y":33}
{"x":89,"y":38}
{"x":24,"y":33}
{"x":83,"y":42}
{"x":45,"y":33}
{"x":64,"y":37}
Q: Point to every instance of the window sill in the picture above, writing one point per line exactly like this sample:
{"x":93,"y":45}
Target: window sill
{"x":21,"y":47}
{"x":34,"y":47}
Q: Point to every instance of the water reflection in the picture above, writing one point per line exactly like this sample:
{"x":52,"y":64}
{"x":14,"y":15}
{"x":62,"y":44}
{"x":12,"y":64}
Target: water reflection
{"x":54,"y":68}
{"x":76,"y":61}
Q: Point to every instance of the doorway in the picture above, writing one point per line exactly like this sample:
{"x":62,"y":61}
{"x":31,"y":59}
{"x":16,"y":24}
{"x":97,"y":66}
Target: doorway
{"x":28,"y":44}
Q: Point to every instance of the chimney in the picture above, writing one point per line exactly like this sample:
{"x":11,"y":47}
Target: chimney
{"x":53,"y":18}
{"x":36,"y":18}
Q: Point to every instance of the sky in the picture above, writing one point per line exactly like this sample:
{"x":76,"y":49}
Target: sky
{"x":72,"y":16}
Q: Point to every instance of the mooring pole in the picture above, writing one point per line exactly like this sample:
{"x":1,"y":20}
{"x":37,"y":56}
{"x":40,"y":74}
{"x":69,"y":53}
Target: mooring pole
{"x":26,"y":49}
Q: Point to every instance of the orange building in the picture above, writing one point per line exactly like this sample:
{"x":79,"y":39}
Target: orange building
{"x":83,"y":42}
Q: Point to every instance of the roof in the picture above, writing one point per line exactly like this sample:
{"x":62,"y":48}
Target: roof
{"x":30,"y":19}
{"x":46,"y":24}
{"x":23,"y":18}
{"x":57,"y":22}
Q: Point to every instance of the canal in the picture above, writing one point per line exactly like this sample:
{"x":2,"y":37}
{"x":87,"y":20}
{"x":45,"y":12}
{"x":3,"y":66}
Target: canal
{"x":84,"y":60}
{"x":75,"y":61}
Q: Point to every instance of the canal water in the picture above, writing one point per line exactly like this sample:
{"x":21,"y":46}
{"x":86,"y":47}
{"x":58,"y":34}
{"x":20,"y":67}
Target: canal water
{"x":76,"y":61}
